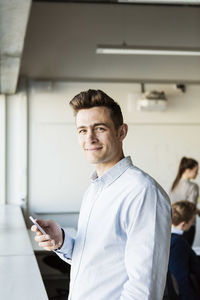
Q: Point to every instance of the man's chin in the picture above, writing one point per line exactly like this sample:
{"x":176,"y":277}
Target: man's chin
{"x":93,"y":160}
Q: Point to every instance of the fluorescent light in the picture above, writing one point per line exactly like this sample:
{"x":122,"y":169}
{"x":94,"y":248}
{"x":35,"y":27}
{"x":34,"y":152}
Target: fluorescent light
{"x":184,"y":2}
{"x":127,"y":50}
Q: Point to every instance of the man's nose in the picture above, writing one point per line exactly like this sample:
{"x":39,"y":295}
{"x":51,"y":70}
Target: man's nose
{"x":91,"y":136}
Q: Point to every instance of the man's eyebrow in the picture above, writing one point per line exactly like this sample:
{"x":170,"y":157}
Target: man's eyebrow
{"x":79,"y":127}
{"x":94,"y":125}
{"x":101,"y":124}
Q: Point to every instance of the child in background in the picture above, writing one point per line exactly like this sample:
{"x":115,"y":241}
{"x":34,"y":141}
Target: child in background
{"x":183,"y":262}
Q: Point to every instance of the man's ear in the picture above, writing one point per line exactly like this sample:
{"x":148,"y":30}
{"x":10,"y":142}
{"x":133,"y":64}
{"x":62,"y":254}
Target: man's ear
{"x":123,"y":129}
{"x":182,"y":225}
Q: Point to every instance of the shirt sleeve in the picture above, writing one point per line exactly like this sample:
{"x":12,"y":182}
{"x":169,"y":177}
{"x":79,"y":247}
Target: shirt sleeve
{"x":65,"y":252}
{"x":148,"y":229}
{"x":194,"y":193}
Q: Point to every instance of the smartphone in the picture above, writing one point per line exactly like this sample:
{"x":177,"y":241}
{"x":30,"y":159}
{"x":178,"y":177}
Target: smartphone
{"x":38,"y":226}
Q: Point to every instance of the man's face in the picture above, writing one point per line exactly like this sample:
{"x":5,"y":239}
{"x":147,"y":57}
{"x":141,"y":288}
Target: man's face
{"x":98,"y":137}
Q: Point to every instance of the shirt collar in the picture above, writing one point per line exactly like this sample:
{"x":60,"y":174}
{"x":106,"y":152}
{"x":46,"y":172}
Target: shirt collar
{"x":176,"y":230}
{"x":113,"y":173}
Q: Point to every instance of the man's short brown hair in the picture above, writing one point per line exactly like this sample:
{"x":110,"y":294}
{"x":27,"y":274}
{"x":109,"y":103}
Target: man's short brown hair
{"x":92,"y":98}
{"x":182,"y":211}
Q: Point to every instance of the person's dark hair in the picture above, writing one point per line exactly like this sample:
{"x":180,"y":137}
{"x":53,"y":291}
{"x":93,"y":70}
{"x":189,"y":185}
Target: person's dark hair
{"x":92,"y":98}
{"x":182,"y":211}
{"x":185,"y":163}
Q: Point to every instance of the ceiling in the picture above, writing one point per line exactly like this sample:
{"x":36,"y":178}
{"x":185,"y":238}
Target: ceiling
{"x":61,"y":39}
{"x":13,"y":22}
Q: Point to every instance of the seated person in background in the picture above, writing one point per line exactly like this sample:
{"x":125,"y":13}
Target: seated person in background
{"x":183,"y":262}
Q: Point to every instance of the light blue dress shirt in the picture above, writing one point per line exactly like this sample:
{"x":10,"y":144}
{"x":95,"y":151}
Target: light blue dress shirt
{"x":122,"y":245}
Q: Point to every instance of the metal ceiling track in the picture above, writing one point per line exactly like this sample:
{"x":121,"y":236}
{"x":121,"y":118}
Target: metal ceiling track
{"x":135,"y":2}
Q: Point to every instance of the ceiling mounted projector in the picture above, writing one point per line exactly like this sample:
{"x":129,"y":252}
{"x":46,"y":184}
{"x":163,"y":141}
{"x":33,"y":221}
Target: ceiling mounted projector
{"x":152,"y":101}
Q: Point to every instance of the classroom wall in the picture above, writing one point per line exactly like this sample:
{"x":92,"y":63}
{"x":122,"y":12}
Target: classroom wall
{"x":58,"y":172}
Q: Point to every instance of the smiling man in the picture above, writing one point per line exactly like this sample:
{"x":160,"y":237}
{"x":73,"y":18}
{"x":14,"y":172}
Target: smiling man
{"x":122,"y":245}
{"x":100,"y":140}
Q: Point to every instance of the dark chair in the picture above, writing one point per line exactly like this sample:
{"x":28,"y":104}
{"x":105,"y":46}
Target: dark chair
{"x":171,"y":289}
{"x":195,"y":285}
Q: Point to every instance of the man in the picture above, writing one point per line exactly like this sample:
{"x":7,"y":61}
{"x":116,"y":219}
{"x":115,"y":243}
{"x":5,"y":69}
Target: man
{"x":122,"y":245}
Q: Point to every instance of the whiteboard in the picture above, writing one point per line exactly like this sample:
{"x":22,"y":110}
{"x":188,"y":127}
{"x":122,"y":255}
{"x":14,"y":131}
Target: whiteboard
{"x":158,"y":148}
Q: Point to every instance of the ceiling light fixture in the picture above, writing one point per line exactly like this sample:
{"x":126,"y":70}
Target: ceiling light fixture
{"x":136,"y":50}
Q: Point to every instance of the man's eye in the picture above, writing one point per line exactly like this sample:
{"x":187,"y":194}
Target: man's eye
{"x":100,"y":129}
{"x":82,"y":131}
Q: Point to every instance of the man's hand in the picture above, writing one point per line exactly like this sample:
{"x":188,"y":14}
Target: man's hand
{"x":54,"y":237}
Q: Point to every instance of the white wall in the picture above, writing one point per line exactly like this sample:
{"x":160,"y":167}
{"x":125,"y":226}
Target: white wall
{"x":58,"y":172}
{"x":156,"y":140}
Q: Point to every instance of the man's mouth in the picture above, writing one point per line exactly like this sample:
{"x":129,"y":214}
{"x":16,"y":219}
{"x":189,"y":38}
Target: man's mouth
{"x":93,"y":149}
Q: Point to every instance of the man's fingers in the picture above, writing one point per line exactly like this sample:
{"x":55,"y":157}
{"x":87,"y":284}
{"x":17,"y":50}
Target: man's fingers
{"x":48,"y":245}
{"x":42,"y":237}
{"x":45,"y":242}
{"x":48,"y":249}
{"x":34,"y":228}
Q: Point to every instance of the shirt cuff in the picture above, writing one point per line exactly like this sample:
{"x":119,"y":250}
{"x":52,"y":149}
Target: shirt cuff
{"x":67,"y":246}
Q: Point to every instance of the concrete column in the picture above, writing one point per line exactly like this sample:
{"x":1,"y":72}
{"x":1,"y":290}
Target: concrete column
{"x":17,"y":148}
{"x":2,"y":149}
